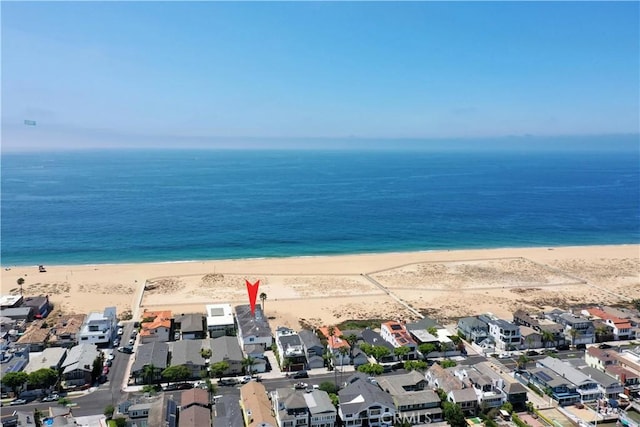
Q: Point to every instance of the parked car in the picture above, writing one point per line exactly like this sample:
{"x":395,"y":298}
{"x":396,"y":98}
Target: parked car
{"x":227,"y":381}
{"x":108,"y":363}
{"x":300,"y":386}
{"x":111,"y":356}
{"x":116,"y":342}
{"x":301,"y":374}
{"x":105,"y":371}
{"x":245,"y":379}
{"x":134,"y":333}
{"x":179,"y":386}
{"x":532,"y":353}
{"x":51,"y":398}
{"x":18,"y":402}
{"x":120,"y":331}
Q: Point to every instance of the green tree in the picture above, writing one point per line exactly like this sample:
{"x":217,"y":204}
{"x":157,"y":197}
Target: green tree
{"x":507,"y":406}
{"x":211,"y":387}
{"x":380,"y":352}
{"x":329,"y":387}
{"x":176,"y":373}
{"x":454,"y":415}
{"x":351,"y":339}
{"x":426,"y":348}
{"x":601,"y":332}
{"x":96,"y":370}
{"x":415,"y":365}
{"x":43,"y":378}
{"x":448,"y":363}
{"x":120,"y":422}
{"x":219,"y":368}
{"x":206,"y":353}
{"x":401,"y":352}
{"x":433,"y":331}
{"x":371,"y":369}
{"x":574,"y":333}
{"x":366,"y":348}
{"x":37,"y":417}
{"x":15,"y":380}
{"x":263,"y":298}
{"x":108,"y":411}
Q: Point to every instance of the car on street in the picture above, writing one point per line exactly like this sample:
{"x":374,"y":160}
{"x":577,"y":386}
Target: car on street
{"x":108,"y":363}
{"x":301,"y":374}
{"x":18,"y":402}
{"x":134,"y":333}
{"x":120,"y":331}
{"x":111,"y":356}
{"x":131,"y":341}
{"x":532,"y":353}
{"x":227,"y":381}
{"x":245,"y":379}
{"x":300,"y":386}
{"x":51,"y":398}
{"x":180,"y":386}
{"x":116,"y":342}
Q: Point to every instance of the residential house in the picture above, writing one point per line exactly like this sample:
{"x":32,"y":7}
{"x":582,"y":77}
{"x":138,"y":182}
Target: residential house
{"x":505,"y":334}
{"x":156,"y":326}
{"x":322,"y":413}
{"x":99,"y":328}
{"x":411,"y":398}
{"x":359,"y":357}
{"x":40,"y":305}
{"x":578,"y":330}
{"x":397,"y":335}
{"x":13,"y":360}
{"x":374,"y":339}
{"x":530,"y":338}
{"x":599,"y":358}
{"x":35,"y":337}
{"x":195,"y":416}
{"x":337,"y":346}
{"x":187,"y":353}
{"x":474,"y":329}
{"x":78,"y":365}
{"x":512,"y":390}
{"x":226,"y":349}
{"x":621,"y":327}
{"x":195,"y":408}
{"x":50,"y":358}
{"x":439,"y":378}
{"x":65,"y":330}
{"x":608,"y":386}
{"x":220,"y":320}
{"x":292,"y":354}
{"x":466,"y":399}
{"x":363,"y":403}
{"x":256,"y":352}
{"x":255,"y":405}
{"x":487,"y":390}
{"x":139,"y":410}
{"x":585,"y":386}
{"x":313,"y":348}
{"x":561,"y":389}
{"x":629,"y":379}
{"x":10,"y":301}
{"x":18,"y":313}
{"x":253,"y":329}
{"x":154,"y":354}
{"x":633,"y":316}
{"x":290,"y":408}
{"x":191,"y":326}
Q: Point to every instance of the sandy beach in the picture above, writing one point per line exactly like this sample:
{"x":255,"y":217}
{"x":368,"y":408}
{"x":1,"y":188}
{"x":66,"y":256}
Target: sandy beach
{"x":328,"y":290}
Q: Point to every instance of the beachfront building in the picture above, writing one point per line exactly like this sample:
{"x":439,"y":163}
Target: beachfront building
{"x":98,"y":328}
{"x":337,"y":346}
{"x":156,"y":326}
{"x":10,"y":301}
{"x":253,"y":329}
{"x":621,"y":327}
{"x":191,"y":326}
{"x":608,"y":386}
{"x":374,"y":339}
{"x":78,"y":365}
{"x":50,"y":358}
{"x":578,"y":330}
{"x":505,"y":334}
{"x":530,"y":338}
{"x":397,"y":335}
{"x":40,"y":304}
{"x":313,"y":348}
{"x":473,"y":329}
{"x":290,"y":349}
{"x":551,"y":333}
{"x":65,"y":330}
{"x":220,"y":320}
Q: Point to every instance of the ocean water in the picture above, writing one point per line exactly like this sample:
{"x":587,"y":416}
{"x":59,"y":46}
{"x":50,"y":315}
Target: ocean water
{"x":163,"y":205}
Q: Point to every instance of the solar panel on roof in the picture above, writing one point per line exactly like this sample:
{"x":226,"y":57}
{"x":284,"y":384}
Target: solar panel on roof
{"x":544,"y":376}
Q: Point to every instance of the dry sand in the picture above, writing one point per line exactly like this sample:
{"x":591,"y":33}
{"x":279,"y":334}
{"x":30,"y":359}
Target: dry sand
{"x":326,"y":290}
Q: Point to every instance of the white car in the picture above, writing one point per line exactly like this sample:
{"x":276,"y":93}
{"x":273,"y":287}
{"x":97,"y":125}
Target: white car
{"x":120,"y":331}
{"x":111,"y":356}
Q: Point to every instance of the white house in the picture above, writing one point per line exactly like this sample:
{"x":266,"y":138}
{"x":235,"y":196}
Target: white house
{"x":98,"y":328}
{"x":220,"y":320}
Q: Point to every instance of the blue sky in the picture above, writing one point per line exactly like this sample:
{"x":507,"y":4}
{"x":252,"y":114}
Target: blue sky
{"x":86,"y":71}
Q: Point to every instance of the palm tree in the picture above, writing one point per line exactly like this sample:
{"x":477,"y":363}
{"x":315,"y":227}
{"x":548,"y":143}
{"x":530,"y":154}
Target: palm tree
{"x":529,"y":340}
{"x":601,"y":331}
{"x":351,"y":339}
{"x":263,"y":298}
{"x":248,"y":363}
{"x":343,"y":352}
{"x":20,"y":283}
{"x":574,"y":333}
{"x":148,"y":374}
{"x":547,"y":337}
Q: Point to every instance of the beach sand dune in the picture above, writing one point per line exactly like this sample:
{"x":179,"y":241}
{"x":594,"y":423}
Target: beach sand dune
{"x":325,"y":290}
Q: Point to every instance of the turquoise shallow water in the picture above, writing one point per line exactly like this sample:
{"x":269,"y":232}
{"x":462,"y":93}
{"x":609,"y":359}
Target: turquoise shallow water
{"x":137,"y":206}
